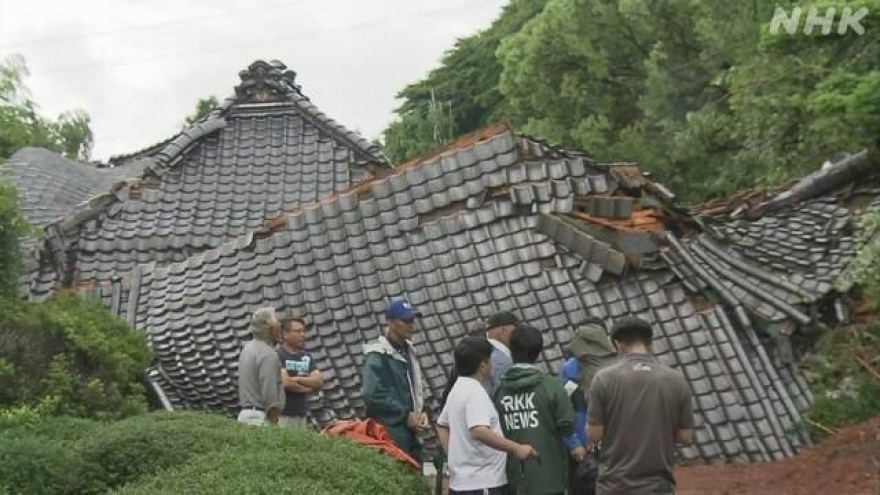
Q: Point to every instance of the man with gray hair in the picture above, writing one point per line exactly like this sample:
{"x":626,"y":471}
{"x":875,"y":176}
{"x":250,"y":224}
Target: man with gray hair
{"x":260,"y":391}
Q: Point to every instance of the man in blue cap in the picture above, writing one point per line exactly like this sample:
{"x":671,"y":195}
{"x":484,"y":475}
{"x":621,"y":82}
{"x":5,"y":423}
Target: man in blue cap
{"x":392,"y":379}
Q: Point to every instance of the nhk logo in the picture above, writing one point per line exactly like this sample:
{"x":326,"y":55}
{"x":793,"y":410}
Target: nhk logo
{"x":789,"y":21}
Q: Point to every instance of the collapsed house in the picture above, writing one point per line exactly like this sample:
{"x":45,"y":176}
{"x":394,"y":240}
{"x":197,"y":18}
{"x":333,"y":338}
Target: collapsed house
{"x":266,"y":201}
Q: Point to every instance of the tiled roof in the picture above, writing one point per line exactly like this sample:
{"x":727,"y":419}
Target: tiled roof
{"x":500,"y":221}
{"x":265,"y":151}
{"x":50,"y":185}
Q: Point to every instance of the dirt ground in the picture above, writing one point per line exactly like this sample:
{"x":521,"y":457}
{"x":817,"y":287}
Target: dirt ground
{"x":847,"y":463}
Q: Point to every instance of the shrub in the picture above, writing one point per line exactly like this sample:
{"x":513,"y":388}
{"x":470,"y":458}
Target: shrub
{"x":844,"y":392}
{"x":38,"y":465}
{"x":864,"y":270}
{"x":147,"y":444}
{"x":74,"y":350}
{"x":190,"y":453}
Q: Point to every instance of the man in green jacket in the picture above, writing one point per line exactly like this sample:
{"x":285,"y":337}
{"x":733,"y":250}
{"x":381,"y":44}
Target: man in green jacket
{"x":392,"y":379}
{"x":535,"y":410}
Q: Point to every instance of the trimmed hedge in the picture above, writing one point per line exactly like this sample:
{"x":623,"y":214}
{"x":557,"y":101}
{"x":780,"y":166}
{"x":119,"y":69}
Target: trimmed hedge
{"x":191,"y":453}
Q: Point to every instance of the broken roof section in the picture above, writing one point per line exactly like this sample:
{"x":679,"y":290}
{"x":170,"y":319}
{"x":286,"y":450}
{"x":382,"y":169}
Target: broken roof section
{"x":503,"y":222}
{"x":50,"y":185}
{"x":264,"y":151}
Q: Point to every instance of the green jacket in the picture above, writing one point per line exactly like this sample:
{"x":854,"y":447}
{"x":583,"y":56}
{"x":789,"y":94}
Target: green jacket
{"x":391,"y":392}
{"x":592,"y":347}
{"x":535,"y":409}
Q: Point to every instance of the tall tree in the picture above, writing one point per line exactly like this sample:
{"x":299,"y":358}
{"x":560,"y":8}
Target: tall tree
{"x":21,"y":125}
{"x":464,"y":87}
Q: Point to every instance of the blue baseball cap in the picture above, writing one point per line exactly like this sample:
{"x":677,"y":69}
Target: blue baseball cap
{"x":401,"y":309}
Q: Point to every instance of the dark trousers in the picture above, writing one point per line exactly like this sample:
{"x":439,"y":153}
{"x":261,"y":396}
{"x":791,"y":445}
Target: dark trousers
{"x":575,"y":488}
{"x":498,"y":490}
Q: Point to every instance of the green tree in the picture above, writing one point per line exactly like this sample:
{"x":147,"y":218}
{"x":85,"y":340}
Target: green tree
{"x":419,"y":131}
{"x":12,"y":227}
{"x":699,"y":93}
{"x":463,"y":91}
{"x":203,"y":106}
{"x":21,"y":125}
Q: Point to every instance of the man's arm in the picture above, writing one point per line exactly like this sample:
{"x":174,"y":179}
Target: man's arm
{"x":314,"y":381}
{"x":564,"y":417}
{"x":270,"y":377}
{"x":685,"y":432}
{"x":293,"y":383}
{"x":563,"y":411}
{"x":485,"y":435}
{"x":597,"y":411}
{"x":443,"y":436}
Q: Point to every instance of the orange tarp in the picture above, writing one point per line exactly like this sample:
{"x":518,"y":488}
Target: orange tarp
{"x":372,"y":434}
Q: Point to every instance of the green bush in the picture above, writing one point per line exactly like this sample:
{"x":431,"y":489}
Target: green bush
{"x":864,"y":270}
{"x":190,"y":453}
{"x":844,"y":392}
{"x":38,"y":465}
{"x":147,"y":444}
{"x":75,"y":351}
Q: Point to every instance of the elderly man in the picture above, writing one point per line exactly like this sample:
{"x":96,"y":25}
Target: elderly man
{"x":392,"y":379}
{"x":260,"y":392}
{"x":498,"y":330}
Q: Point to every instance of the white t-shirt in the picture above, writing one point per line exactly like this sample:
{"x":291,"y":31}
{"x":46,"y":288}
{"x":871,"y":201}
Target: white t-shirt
{"x":473,"y":465}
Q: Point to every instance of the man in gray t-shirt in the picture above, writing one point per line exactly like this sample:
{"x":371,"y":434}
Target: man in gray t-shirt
{"x":639,"y":408}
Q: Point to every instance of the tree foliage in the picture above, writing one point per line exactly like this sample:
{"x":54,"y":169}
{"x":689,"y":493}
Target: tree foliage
{"x":203,"y":106}
{"x":21,"y":125}
{"x":70,"y":353}
{"x":699,"y":93}
{"x":461,"y":95}
{"x":12,"y":227}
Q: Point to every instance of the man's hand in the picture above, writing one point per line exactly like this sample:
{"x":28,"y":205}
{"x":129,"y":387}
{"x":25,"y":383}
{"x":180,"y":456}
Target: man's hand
{"x":414,"y":421}
{"x":524,"y":452}
{"x":579,"y":454}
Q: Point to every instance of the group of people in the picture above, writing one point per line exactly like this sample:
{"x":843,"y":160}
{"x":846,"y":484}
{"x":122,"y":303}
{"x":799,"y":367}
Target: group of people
{"x":275,"y":374}
{"x":506,"y":426}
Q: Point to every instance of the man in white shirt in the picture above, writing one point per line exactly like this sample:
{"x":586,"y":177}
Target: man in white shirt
{"x":469,"y":428}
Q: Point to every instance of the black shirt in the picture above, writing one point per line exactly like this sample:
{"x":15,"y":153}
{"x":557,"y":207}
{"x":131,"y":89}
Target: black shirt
{"x":296,"y":364}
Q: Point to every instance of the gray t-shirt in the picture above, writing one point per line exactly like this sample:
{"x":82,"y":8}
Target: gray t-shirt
{"x":641,"y":403}
{"x":259,"y":377}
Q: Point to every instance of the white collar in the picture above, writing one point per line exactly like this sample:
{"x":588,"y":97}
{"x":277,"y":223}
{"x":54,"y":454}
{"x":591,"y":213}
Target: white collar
{"x":528,"y":366}
{"x":500,"y":346}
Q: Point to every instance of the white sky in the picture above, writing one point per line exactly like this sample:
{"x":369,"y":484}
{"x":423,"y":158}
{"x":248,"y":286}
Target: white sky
{"x":138,"y":67}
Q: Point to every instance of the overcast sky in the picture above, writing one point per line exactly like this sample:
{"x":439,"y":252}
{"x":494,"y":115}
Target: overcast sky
{"x":138,"y":67}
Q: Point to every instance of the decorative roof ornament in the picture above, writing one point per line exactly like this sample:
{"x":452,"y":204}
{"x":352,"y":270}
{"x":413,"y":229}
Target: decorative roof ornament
{"x":265,"y":82}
